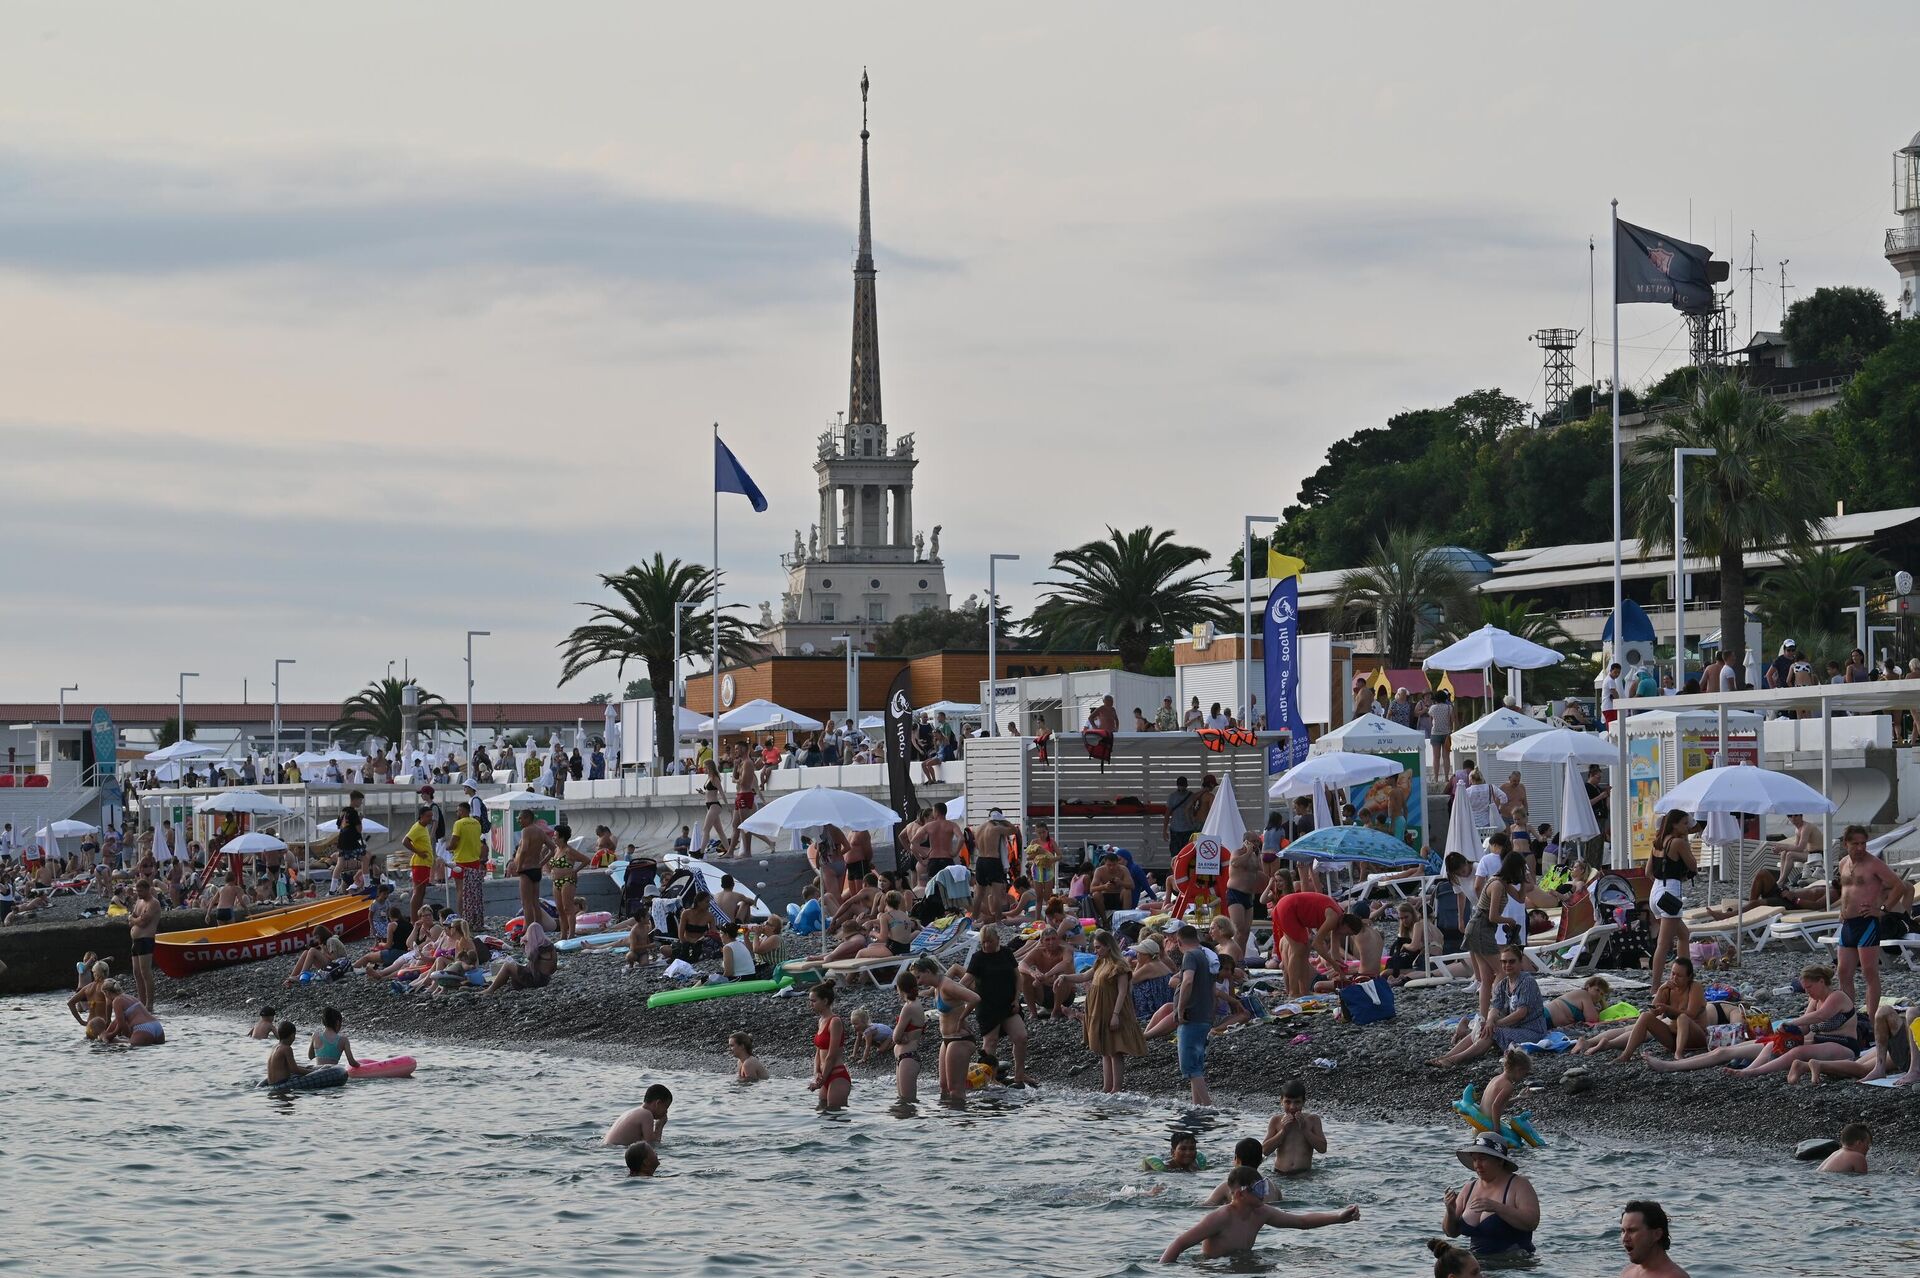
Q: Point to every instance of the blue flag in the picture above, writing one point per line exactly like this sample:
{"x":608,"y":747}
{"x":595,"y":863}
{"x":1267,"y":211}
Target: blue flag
{"x":1280,"y":643}
{"x":729,"y":476}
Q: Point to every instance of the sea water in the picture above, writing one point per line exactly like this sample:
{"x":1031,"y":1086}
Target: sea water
{"x":167,"y":1161}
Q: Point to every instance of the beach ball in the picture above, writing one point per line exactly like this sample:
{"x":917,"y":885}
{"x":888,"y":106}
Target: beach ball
{"x":979,"y":1074}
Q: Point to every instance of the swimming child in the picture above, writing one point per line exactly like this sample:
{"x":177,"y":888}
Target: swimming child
{"x":642,"y":1159}
{"x":262,"y":1027}
{"x":281,"y":1067}
{"x":330,"y":1043}
{"x":1514,"y":1068}
{"x":1851,"y":1157}
{"x":1293,"y":1135}
{"x":868,"y":1035}
{"x":1234,"y":1227}
{"x":740,"y":1043}
{"x":1183,"y":1155}
{"x":1247,"y":1153}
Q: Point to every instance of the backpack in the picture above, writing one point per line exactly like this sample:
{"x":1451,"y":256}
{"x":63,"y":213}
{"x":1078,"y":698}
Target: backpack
{"x":486,"y":821}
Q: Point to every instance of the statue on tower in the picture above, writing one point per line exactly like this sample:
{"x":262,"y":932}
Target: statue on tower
{"x":790,"y":607}
{"x":919,"y":548}
{"x":766,"y":614}
{"x":813,"y":541}
{"x":799,"y":548}
{"x":933,"y":547}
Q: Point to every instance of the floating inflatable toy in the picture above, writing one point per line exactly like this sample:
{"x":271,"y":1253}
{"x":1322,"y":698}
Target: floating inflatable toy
{"x":726,"y":989}
{"x":391,"y":1067}
{"x":324,"y":1077}
{"x":1516,"y":1129}
{"x":1154,"y":1163}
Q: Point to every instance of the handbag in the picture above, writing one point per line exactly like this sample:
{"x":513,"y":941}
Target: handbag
{"x":1368,"y":1001}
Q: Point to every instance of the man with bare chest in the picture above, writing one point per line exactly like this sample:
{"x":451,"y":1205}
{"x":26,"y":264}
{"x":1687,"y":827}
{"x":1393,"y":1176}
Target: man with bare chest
{"x":1866,"y":885}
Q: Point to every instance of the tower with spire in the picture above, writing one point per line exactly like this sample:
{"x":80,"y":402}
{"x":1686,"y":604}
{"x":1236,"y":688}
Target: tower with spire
{"x":863,"y":563}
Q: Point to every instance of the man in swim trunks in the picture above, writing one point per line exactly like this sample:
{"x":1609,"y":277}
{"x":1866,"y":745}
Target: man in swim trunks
{"x":1111,"y":886}
{"x":1234,"y":1227}
{"x":942,"y":838}
{"x":1645,"y":1237}
{"x":1293,"y":1135}
{"x":143,"y":924}
{"x":528,"y":865}
{"x":994,"y":974}
{"x":418,"y":841}
{"x":1866,"y":885}
{"x":228,"y":900}
{"x":645,"y":1121}
{"x":1246,"y":880}
{"x":746,"y":796}
{"x":990,"y":866}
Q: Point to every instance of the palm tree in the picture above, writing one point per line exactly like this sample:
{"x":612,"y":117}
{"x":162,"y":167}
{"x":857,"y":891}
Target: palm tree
{"x":1765,"y":486}
{"x":1804,"y":595}
{"x":1526,"y":618}
{"x":638,"y":626}
{"x":374,"y":711}
{"x":1405,"y":589}
{"x":1127,"y":593}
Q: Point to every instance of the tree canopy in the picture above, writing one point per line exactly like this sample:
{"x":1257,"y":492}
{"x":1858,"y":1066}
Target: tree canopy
{"x":1838,"y":325}
{"x":931,"y":630}
{"x":1874,"y":428}
{"x":1128,"y":592}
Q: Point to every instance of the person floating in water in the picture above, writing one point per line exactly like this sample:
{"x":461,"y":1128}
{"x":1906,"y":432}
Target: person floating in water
{"x":740,"y":1043}
{"x":1646,"y":1238}
{"x":645,"y":1121}
{"x":281,"y":1067}
{"x":330,"y":1044}
{"x":642,"y":1159}
{"x":1293,"y":1135}
{"x":1855,"y":1140}
{"x":1234,"y":1227}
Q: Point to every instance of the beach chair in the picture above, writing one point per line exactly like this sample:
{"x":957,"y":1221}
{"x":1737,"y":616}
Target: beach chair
{"x":1577,"y":956}
{"x":1751,"y":926}
{"x":882,"y":970}
{"x":1908,"y":946}
{"x":1804,"y":926}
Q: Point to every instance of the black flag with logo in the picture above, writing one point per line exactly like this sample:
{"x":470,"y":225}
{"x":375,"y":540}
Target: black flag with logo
{"x":1651,"y":267}
{"x":899,"y":730}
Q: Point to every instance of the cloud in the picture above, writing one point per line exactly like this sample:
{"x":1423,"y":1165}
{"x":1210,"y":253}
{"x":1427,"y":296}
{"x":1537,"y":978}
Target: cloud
{"x":379,"y":218}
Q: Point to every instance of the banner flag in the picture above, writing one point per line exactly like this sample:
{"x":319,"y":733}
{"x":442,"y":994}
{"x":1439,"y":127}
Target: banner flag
{"x":899,"y":743}
{"x":1280,"y":651}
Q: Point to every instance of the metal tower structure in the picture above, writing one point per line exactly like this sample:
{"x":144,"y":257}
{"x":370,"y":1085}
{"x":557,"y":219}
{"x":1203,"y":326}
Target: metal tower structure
{"x":1557,"y":346}
{"x":1707,"y":333}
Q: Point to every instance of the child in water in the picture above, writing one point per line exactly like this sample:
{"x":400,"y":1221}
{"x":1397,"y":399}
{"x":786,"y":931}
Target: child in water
{"x":1514,"y":1068}
{"x":262,"y":1027}
{"x":1293,"y":1135}
{"x":740,"y":1043}
{"x":281,"y":1067}
{"x":330,"y":1043}
{"x":868,"y":1035}
{"x":1851,"y":1157}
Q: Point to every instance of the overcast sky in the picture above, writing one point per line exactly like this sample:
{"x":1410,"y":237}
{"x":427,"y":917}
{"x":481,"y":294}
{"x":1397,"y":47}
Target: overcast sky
{"x":333,"y":331}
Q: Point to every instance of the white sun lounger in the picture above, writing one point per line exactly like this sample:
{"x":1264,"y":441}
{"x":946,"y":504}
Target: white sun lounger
{"x":1804,"y":926}
{"x":1909,"y":946}
{"x":1752,"y":926}
{"x":1577,"y":955}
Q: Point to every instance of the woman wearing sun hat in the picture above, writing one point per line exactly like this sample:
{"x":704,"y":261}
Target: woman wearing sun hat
{"x":1497,"y":1211}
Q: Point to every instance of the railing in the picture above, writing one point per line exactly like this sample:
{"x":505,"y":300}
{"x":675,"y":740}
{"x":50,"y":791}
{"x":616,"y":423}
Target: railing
{"x":1903,"y":239}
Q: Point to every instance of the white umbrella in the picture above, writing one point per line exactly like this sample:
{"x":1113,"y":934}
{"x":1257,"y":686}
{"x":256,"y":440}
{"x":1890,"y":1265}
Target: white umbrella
{"x":962,"y":709}
{"x":1561,"y":745}
{"x":1743,"y":788}
{"x":308,"y":759}
{"x":253,"y":841}
{"x":760,"y":715}
{"x":957,"y":810}
{"x":1576,"y":811}
{"x":1462,"y":836}
{"x":68,"y":829}
{"x":181,"y":750}
{"x":873,"y":721}
{"x":367,"y":825}
{"x":513,"y":800}
{"x":345,"y":758}
{"x":1223,"y":826}
{"x":807,"y":809}
{"x":250,"y":802}
{"x":1492,"y":646}
{"x":1340,"y":768}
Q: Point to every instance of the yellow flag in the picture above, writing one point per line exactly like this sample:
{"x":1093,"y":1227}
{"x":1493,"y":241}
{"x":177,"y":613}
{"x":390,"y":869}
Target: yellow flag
{"x":1281,"y":565}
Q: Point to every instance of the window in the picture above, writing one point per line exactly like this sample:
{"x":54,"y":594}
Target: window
{"x":877,"y":611}
{"x":69,"y":751}
{"x":874,"y":584}
{"x":826,"y":610}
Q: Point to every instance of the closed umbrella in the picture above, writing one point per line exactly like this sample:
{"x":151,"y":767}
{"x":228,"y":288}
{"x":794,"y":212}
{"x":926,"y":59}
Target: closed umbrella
{"x":1576,"y":810}
{"x":1462,"y":836}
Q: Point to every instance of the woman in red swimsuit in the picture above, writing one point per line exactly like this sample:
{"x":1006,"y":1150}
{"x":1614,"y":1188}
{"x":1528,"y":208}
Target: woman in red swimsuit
{"x":830,"y":1076}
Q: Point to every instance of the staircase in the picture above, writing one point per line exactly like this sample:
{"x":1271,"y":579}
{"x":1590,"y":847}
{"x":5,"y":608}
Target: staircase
{"x":28,"y":810}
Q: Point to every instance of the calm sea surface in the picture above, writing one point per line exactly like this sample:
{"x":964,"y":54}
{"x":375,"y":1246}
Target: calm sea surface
{"x":162,"y":1161}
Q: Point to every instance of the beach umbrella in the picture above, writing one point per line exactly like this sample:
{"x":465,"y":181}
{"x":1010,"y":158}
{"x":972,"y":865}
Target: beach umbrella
{"x":1743,"y":787}
{"x":251,"y":842}
{"x":249,"y":802}
{"x":1221,"y":832}
{"x":1462,"y":836}
{"x":1492,"y":646}
{"x":873,"y":721}
{"x":807,"y":809}
{"x":1351,"y":843}
{"x":1338,"y":769}
{"x":514,"y":800}
{"x":1576,"y":812}
{"x":181,"y":750}
{"x":955,"y":709}
{"x":367,"y":826}
{"x":760,"y":715}
{"x":1561,"y":745}
{"x":68,"y":829}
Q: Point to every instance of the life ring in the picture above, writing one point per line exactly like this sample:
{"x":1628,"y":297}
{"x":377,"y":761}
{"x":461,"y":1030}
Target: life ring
{"x":1153,"y":1163}
{"x":1517,"y":1129}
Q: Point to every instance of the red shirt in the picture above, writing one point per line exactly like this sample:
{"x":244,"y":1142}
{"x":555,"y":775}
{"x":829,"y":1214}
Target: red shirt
{"x":1300,"y":914}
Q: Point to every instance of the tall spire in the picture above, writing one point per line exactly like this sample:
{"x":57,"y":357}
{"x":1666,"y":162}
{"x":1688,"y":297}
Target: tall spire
{"x":863,"y":396}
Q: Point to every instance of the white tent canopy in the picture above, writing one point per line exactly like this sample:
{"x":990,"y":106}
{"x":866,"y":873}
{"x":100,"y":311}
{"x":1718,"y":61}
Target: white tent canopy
{"x":367,"y":826}
{"x":761,"y":715}
{"x":1492,"y":646}
{"x":809,"y":809}
{"x":1369,"y":734}
{"x":181,"y":750}
{"x":953,"y":709}
{"x":250,"y":802}
{"x":514,"y":800}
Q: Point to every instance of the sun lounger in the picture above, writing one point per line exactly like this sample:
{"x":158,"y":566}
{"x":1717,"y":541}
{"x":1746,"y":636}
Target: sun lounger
{"x":1751,"y":926}
{"x":1577,"y":955}
{"x":1909,"y":946}
{"x":1803,"y":926}
{"x":881,"y":970}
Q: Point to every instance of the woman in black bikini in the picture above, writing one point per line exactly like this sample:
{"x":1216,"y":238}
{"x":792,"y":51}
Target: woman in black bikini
{"x":952,"y":1002}
{"x":712,"y":825}
{"x":694,"y":928}
{"x":908,"y":1030}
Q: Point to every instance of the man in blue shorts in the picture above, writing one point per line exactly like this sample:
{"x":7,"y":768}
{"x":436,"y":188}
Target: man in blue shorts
{"x":1193,"y":1010}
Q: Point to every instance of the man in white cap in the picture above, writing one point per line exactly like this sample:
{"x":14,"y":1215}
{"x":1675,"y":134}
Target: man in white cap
{"x":1780,"y":669}
{"x":475,"y":807}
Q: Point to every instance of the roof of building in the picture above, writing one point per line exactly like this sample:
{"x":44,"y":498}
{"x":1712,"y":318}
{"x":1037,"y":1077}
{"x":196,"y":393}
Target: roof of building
{"x":235,"y":714}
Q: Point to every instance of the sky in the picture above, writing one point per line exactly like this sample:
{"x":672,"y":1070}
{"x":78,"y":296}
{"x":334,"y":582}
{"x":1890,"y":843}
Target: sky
{"x":333,"y":332}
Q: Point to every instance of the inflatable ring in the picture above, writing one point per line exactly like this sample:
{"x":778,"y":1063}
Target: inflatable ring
{"x":1154,"y":1163}
{"x":1517,"y":1130}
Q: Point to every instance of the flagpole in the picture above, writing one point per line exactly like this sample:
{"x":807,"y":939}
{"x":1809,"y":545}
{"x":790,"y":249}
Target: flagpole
{"x":1622,"y":856}
{"x":714,"y":616}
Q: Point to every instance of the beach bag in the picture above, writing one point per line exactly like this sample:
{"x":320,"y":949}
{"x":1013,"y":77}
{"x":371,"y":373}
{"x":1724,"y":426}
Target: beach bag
{"x":1368,"y":1001}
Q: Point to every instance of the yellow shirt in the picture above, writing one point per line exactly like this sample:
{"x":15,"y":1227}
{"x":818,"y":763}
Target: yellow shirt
{"x":466,"y":841}
{"x":419,"y":843}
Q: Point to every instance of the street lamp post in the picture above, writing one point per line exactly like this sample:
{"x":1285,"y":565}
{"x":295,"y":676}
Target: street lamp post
{"x":679,"y":610}
{"x":468,"y":741}
{"x":993,"y":642}
{"x":1859,"y":612}
{"x":65,"y":689}
{"x":277,"y":663}
{"x":847,"y":640}
{"x":1243,"y":675}
{"x":1680,"y":456}
{"x":181,"y":722}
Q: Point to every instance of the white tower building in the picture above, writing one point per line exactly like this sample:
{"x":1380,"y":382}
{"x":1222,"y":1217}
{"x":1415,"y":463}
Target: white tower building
{"x":863,"y":564}
{"x":1903,"y":241}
